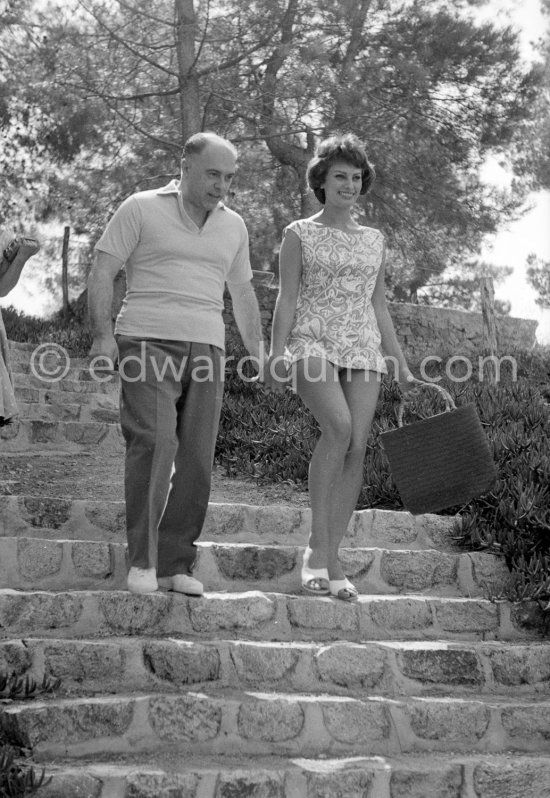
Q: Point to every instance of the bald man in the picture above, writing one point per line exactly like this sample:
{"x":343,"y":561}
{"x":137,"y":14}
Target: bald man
{"x":180,"y":245}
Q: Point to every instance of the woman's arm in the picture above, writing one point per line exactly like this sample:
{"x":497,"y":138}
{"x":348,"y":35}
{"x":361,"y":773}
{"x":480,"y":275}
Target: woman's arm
{"x":390,"y":345}
{"x":290,"y":272}
{"x":10,"y":272}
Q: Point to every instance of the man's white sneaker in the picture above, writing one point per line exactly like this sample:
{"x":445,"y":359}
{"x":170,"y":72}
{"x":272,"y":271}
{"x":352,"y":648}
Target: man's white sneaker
{"x":182,"y":583}
{"x":142,"y":580}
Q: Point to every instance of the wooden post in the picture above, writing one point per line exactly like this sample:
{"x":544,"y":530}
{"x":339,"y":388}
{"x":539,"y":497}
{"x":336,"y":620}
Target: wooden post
{"x":490,"y":345}
{"x":65,"y":271}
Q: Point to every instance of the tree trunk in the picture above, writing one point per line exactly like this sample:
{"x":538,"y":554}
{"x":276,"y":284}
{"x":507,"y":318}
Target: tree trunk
{"x":280,"y":146}
{"x":65,"y":270}
{"x":186,"y":32}
{"x":358,"y":16}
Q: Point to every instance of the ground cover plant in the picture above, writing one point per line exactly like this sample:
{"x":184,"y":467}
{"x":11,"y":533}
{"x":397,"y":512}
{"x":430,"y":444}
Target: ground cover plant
{"x":18,"y":778}
{"x":65,"y":330}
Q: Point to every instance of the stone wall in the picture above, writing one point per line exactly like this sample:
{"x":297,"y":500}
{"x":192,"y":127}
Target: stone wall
{"x":423,"y":330}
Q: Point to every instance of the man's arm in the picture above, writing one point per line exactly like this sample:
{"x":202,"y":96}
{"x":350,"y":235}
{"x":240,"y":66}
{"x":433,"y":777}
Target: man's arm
{"x":100,"y":301}
{"x":248,"y":319}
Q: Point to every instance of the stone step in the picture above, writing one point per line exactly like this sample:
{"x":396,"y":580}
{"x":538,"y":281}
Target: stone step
{"x":34,"y":563}
{"x":76,"y":387}
{"x":263,"y":616}
{"x":389,"y":668}
{"x":45,"y":396}
{"x":70,"y":411}
{"x":49,"y":517}
{"x":20,"y":346}
{"x":50,"y":362}
{"x":51,"y":370}
{"x":69,"y":436}
{"x":255,"y":723}
{"x":414,"y":776}
{"x":47,"y":353}
{"x":59,"y":378}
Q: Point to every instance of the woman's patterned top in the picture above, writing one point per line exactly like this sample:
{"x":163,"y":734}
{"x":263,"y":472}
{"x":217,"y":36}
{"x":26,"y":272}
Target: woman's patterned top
{"x":334,"y":316}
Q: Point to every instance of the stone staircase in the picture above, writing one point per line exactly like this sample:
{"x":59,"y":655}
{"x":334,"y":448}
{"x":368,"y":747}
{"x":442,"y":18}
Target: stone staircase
{"x":70,"y":413}
{"x":421,"y":689}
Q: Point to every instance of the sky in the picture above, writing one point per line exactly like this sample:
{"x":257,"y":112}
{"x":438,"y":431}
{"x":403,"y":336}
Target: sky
{"x":531,"y":233}
{"x":511,"y":247}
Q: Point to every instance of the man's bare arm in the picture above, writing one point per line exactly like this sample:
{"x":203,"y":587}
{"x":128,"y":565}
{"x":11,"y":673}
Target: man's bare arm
{"x":100,"y":301}
{"x":248,"y":319}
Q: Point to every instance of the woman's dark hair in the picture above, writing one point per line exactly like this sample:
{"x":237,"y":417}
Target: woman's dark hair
{"x":346,"y":148}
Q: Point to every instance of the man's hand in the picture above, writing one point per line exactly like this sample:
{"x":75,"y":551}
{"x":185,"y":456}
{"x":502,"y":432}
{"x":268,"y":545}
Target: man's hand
{"x":104,"y":352}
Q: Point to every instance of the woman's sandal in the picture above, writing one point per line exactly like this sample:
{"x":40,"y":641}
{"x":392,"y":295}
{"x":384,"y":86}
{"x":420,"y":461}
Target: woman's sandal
{"x":314,"y":580}
{"x":343,"y":589}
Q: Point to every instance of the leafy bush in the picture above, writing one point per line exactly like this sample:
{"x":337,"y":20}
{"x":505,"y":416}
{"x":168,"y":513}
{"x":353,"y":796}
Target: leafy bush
{"x":18,"y":780}
{"x":65,"y":331}
{"x":24,"y":687}
{"x":514,"y":517}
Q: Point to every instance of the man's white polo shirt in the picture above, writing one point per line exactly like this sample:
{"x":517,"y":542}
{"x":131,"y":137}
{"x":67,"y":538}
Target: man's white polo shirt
{"x":175,"y":271}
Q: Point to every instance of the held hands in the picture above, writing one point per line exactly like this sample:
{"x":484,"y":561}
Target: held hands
{"x":275,"y":374}
{"x":272,"y":373}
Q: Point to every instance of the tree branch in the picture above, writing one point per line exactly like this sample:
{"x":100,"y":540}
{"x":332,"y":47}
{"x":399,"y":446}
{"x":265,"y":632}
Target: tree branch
{"x":127,"y":46}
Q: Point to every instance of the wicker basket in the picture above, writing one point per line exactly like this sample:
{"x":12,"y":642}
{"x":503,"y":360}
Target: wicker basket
{"x":442,"y":461}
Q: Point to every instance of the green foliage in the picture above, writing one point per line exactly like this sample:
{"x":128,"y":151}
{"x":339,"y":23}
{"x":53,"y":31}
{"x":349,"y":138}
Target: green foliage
{"x":460,"y":287}
{"x":17,"y":779}
{"x":538,"y":274}
{"x":16,"y":687}
{"x":514,"y":517}
{"x":67,"y":332}
{"x":263,"y":435}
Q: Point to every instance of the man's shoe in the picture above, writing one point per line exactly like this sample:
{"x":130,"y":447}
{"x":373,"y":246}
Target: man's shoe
{"x":142,"y":580}
{"x":182,"y":583}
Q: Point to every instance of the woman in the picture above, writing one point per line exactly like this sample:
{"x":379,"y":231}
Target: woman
{"x":329,"y":325}
{"x":14,"y":257}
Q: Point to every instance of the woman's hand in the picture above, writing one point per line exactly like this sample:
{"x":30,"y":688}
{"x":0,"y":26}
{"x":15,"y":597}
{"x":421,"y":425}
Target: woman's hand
{"x":28,"y":247}
{"x":407,"y":381}
{"x":12,"y":261}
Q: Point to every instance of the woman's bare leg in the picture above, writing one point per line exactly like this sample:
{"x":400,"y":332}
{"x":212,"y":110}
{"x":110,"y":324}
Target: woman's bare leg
{"x":319,"y":388}
{"x":361,"y":389}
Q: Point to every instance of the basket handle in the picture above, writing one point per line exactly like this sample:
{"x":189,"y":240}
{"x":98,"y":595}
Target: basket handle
{"x":449,"y":401}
